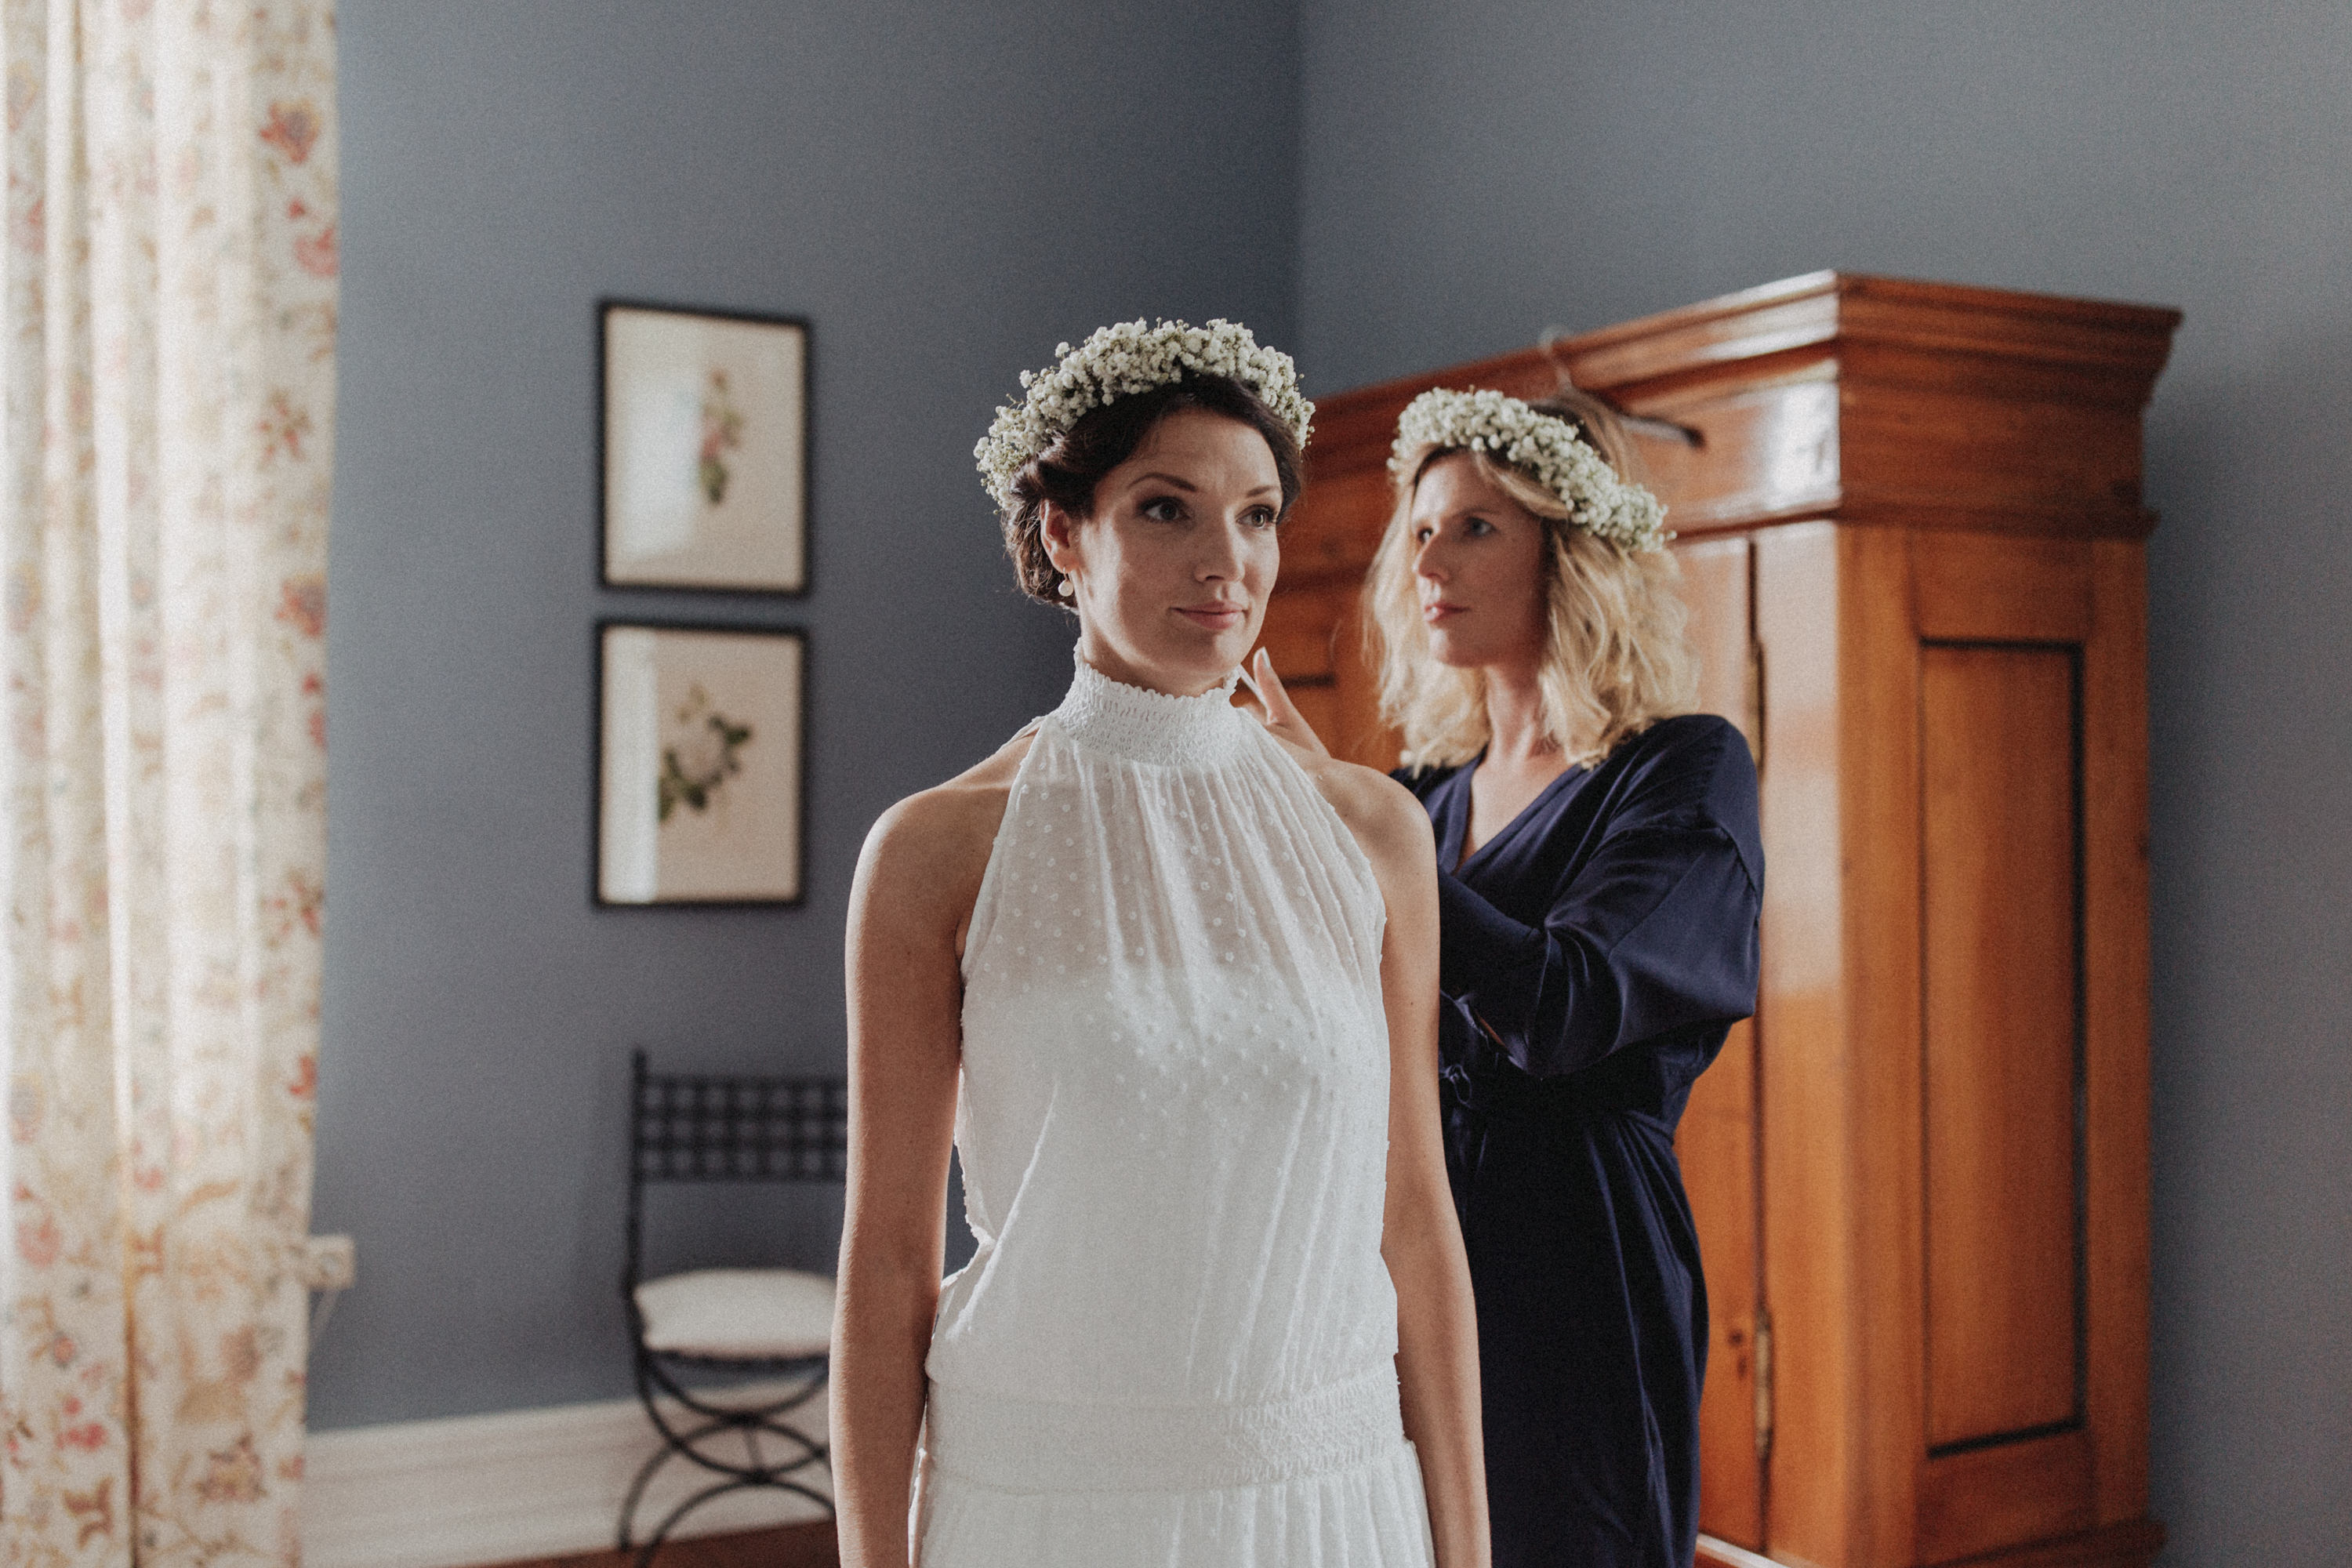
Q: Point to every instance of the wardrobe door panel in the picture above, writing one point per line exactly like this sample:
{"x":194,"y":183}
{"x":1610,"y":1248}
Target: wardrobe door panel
{"x":1982,"y":1500}
{"x":2001,"y":850}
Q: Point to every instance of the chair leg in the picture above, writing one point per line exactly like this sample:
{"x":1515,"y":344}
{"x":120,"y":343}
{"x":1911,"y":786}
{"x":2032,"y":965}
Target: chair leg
{"x":654,"y":1544}
{"x":684,"y":1439}
{"x":636,"y":1494}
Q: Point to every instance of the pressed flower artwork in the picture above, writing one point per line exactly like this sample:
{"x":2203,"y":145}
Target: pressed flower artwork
{"x":699,"y":754}
{"x":722,"y":432}
{"x":705,"y":439}
{"x":699,"y":787}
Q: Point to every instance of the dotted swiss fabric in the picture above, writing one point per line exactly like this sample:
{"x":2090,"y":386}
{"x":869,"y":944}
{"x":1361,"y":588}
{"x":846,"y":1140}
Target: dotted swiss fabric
{"x":1174,"y":1343}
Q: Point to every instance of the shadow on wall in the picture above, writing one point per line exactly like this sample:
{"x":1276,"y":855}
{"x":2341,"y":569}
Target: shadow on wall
{"x":2251,"y":737}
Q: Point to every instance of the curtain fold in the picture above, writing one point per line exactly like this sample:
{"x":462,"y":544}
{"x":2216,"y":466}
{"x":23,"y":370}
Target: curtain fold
{"x":170,"y":299}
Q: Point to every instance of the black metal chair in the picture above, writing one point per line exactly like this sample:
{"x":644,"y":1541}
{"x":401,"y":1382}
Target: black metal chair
{"x":768,"y":1323}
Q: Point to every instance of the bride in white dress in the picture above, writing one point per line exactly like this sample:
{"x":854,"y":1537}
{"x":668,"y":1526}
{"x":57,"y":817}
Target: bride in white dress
{"x":1170,"y":986}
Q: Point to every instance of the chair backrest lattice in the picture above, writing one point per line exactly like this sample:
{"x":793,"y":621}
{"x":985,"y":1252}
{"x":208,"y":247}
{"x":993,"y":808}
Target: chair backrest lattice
{"x":693,"y":1127}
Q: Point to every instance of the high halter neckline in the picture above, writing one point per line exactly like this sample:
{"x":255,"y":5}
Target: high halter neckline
{"x":1146,"y":726}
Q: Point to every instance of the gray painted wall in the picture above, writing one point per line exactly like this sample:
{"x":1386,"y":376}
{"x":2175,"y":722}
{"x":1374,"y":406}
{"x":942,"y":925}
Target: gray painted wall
{"x":1472,"y":175}
{"x":945,"y":192}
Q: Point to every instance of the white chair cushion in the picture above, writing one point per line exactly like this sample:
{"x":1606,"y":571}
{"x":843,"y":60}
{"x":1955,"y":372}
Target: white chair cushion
{"x":741,"y":1313}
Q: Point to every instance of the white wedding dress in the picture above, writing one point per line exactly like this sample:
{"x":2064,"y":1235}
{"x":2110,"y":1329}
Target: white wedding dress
{"x":1175,"y":1344}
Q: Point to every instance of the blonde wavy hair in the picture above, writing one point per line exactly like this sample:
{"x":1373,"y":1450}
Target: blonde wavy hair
{"x":1616,"y":657}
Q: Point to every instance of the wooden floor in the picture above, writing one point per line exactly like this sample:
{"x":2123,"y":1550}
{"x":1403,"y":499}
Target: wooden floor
{"x":788,"y":1546}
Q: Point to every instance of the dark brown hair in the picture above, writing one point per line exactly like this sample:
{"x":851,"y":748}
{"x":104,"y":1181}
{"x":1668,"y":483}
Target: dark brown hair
{"x":1067,"y":472}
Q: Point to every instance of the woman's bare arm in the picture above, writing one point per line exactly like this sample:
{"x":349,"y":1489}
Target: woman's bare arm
{"x":1420,"y":1241}
{"x":916,"y":880}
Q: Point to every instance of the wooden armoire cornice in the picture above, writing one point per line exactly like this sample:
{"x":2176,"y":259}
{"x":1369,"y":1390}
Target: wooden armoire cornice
{"x":1912,"y":538}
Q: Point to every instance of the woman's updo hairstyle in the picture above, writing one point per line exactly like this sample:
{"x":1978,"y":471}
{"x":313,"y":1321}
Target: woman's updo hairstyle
{"x":1067,"y":472}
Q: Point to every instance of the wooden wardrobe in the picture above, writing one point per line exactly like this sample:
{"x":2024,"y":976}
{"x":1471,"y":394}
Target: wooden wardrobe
{"x":1911,"y":534}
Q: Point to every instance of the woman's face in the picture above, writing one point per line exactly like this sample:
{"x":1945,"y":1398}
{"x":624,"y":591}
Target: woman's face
{"x":1173,"y":568}
{"x":1479,"y":563}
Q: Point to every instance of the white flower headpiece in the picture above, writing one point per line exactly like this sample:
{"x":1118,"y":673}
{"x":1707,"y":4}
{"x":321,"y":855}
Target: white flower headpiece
{"x":1118,"y":362}
{"x":1544,"y":447}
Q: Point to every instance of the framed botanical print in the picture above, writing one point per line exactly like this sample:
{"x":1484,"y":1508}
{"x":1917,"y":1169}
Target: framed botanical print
{"x":705,"y":449}
{"x":699,"y":764}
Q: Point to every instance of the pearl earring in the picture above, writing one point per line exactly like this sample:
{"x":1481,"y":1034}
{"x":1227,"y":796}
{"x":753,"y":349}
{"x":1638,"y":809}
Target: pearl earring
{"x":1069,"y":589}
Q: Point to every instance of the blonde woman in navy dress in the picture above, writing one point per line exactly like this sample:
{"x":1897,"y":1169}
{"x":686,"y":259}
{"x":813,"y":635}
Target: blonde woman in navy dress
{"x":1170,"y":986}
{"x":1600,"y":876}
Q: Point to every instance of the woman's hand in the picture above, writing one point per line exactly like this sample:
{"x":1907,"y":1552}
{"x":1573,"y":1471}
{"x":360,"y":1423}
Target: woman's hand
{"x":1275,"y":707}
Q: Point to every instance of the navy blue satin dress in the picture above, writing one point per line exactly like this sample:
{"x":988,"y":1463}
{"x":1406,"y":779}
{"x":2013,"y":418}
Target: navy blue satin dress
{"x":1595,"y":953}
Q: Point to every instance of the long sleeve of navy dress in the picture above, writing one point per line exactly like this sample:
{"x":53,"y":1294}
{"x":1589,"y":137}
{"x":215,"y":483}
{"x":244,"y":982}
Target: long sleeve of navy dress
{"x":1595,"y":954}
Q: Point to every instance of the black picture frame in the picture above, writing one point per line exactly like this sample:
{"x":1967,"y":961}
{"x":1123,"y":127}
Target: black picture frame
{"x":777,"y":567}
{"x":618,"y":875}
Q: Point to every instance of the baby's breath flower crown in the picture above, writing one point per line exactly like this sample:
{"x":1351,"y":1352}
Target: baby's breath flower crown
{"x":1544,"y":447}
{"x":1118,"y":362}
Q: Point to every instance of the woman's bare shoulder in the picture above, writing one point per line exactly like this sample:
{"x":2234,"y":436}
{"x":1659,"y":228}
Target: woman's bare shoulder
{"x":937,"y":841}
{"x":1387,"y":822}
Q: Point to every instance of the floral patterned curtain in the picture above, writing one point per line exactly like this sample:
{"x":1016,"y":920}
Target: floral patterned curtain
{"x":169,"y":378}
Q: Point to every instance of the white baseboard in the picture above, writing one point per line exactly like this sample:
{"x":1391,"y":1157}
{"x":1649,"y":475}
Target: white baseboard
{"x":480,"y":1489}
{"x":483,"y":1490}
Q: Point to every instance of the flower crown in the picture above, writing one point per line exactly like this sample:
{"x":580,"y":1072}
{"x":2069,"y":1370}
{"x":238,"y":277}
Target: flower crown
{"x":1118,"y":362}
{"x":1544,"y":447}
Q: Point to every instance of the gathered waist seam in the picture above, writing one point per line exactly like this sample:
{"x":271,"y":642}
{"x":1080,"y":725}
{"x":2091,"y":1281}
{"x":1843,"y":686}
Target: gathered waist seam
{"x":1034,"y":1446}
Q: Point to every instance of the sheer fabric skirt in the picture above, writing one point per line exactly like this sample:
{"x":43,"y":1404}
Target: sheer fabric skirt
{"x":1319,"y":1480}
